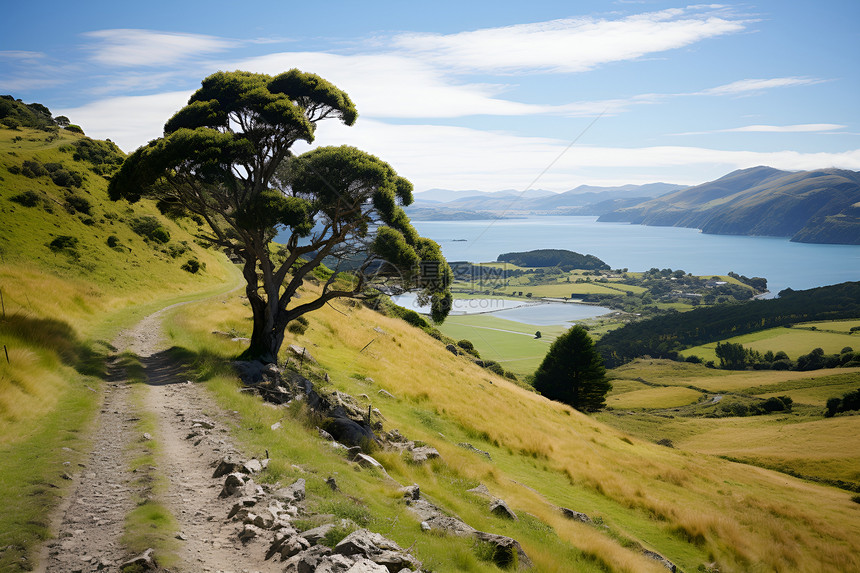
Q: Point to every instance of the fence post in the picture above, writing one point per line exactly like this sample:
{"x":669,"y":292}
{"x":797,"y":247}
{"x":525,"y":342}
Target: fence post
{"x":7,"y":354}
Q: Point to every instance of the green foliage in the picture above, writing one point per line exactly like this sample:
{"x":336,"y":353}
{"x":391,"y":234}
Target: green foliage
{"x":104,"y":156}
{"x":663,"y":336}
{"x":27,"y":198}
{"x":191,"y":265}
{"x":572,"y":372}
{"x":74,"y":128}
{"x":18,"y":114}
{"x":78,"y":204}
{"x":298,"y":326}
{"x":849,"y":402}
{"x":566,"y":260}
{"x":150,"y":228}
{"x":64,"y":243}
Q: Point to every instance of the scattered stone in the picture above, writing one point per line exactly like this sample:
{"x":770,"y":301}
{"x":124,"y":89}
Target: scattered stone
{"x":252,"y":466}
{"x":453,"y":349}
{"x":205,"y":424}
{"x":147,"y":436}
{"x":301,"y":353}
{"x":660,"y":559}
{"x":506,"y":551}
{"x":379,"y":330}
{"x":480,"y":490}
{"x":425,"y":526}
{"x":411,"y":492}
{"x":181,"y":536}
{"x":469,"y":446}
{"x":275,"y":426}
{"x":385,"y":393}
{"x":316,"y":534}
{"x":65,"y":475}
{"x":249,"y":532}
{"x":499,"y":508}
{"x":330,"y":481}
{"x":575,"y":515}
{"x":234,"y":482}
{"x":145,"y":561}
{"x":366,"y":461}
{"x":227,"y":465}
{"x":325,"y":435}
{"x":422,"y":454}
{"x":293,"y":493}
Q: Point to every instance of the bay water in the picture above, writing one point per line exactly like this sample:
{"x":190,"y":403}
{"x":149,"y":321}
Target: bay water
{"x":638,"y":248}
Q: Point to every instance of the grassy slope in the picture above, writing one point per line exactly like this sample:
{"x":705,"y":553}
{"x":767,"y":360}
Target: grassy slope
{"x":693,"y":508}
{"x":802,"y":442}
{"x":61,"y":311}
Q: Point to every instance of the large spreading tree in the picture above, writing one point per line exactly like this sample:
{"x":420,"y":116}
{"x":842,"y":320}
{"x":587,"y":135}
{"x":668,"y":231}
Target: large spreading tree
{"x":572,"y":372}
{"x":226,"y":159}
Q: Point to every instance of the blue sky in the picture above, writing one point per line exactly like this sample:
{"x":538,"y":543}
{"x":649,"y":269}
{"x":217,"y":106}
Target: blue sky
{"x":480,"y":95}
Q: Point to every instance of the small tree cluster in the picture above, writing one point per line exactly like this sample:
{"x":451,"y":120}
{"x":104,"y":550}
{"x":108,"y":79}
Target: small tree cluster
{"x":848,"y":403}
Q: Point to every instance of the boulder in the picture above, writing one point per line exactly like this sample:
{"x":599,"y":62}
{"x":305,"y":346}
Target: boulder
{"x":293,"y":493}
{"x":227,"y":465}
{"x":349,"y":432}
{"x":412,"y":492}
{"x":307,"y":561}
{"x":575,"y":515}
{"x":480,"y":490}
{"x":507,"y":552}
{"x":316,"y":534}
{"x":366,"y":566}
{"x":251,"y":372}
{"x":421,"y":454}
{"x":301,"y":353}
{"x":499,"y":508}
{"x":232,"y":484}
{"x":366,"y":461}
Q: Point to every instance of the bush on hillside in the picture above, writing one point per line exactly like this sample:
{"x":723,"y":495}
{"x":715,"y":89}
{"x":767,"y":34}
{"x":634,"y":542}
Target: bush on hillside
{"x":27,"y":198}
{"x":191,"y":265}
{"x":150,"y":228}
{"x":78,"y":204}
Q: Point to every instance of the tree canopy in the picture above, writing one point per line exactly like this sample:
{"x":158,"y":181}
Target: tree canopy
{"x":226,"y":158}
{"x":572,"y":372}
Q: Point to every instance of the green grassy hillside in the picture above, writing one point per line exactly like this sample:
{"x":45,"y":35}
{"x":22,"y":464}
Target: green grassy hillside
{"x":73,"y":271}
{"x":702,"y":512}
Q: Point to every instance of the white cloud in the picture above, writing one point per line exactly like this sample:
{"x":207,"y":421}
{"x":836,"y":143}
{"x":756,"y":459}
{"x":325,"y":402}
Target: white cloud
{"x":799,"y":128}
{"x":461,"y":158}
{"x":569,"y":45}
{"x":757,"y":85}
{"x":131,"y":47}
{"x":127,"y":121}
{"x":391,"y":85}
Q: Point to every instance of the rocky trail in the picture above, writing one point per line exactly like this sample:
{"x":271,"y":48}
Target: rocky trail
{"x":90,"y":523}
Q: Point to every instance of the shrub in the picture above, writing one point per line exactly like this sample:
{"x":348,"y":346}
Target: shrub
{"x":33,"y":169}
{"x":150,"y":228}
{"x":74,"y":128}
{"x":113,"y":242}
{"x":64,"y":178}
{"x":177,"y":249}
{"x":494,"y":366}
{"x":78,"y":204}
{"x":27,"y":198}
{"x":65,"y":244}
{"x":298,"y":326}
{"x":191,"y":265}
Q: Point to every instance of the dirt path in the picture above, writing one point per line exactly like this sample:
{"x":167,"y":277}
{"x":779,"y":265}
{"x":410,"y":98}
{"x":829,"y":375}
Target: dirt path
{"x":90,"y":523}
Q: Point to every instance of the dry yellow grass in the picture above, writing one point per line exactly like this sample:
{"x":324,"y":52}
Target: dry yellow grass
{"x":698,"y":506}
{"x":662,"y":397}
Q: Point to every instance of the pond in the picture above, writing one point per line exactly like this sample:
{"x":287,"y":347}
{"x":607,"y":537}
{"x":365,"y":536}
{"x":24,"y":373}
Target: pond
{"x":526,"y":312}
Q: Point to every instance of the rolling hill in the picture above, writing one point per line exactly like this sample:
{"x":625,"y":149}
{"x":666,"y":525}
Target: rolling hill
{"x":821,"y":206}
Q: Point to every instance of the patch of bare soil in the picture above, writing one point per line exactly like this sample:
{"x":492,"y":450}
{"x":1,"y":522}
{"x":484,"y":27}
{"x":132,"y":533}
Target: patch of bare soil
{"x":90,"y":523}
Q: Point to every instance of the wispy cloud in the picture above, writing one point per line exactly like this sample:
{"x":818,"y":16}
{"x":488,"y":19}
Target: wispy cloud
{"x":139,"y":48}
{"x":798,"y":128}
{"x":569,"y":45}
{"x":758,"y":85}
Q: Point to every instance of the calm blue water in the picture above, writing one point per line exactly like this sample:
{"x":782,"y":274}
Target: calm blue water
{"x":541,"y":314}
{"x":639,"y":248}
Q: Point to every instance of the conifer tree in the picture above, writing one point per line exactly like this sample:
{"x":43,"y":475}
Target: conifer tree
{"x":572,"y":372}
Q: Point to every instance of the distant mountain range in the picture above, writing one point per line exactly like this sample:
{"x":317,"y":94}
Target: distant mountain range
{"x":820,"y":206}
{"x":444,"y":204}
